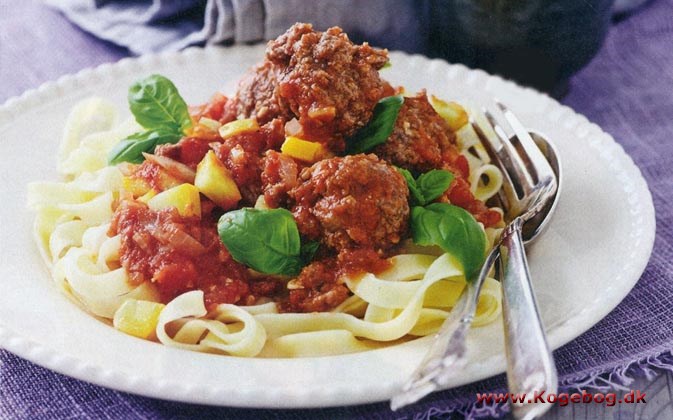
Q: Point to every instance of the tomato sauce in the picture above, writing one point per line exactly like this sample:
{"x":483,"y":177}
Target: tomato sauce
{"x":178,"y":254}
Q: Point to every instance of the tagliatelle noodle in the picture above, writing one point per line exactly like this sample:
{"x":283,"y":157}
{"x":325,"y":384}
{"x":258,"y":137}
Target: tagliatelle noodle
{"x":411,"y":298}
{"x":485,"y":179}
{"x":204,"y":335}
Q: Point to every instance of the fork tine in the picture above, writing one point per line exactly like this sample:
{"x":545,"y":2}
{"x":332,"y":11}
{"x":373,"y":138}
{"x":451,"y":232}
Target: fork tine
{"x":539,"y":165}
{"x":513,"y":160}
{"x":507,"y":194}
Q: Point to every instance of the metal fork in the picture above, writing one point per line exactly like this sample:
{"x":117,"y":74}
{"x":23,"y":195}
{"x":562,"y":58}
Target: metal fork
{"x":529,"y":195}
{"x":528,"y":186}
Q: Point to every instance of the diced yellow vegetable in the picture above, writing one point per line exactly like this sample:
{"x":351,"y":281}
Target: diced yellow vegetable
{"x":185,"y":198}
{"x":238,"y":127}
{"x":138,"y":317}
{"x":453,"y":113}
{"x":308,"y":151}
{"x":135,"y":186}
{"x":210,"y":123}
{"x":214,"y":180}
{"x":147,"y":196}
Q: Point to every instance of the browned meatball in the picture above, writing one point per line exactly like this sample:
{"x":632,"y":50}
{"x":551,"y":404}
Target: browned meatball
{"x":256,"y":96}
{"x":330,"y":83}
{"x":355,"y":201}
{"x":421,"y":139}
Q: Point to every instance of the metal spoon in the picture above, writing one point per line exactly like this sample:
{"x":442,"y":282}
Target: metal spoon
{"x":448,"y":351}
{"x":530,"y":200}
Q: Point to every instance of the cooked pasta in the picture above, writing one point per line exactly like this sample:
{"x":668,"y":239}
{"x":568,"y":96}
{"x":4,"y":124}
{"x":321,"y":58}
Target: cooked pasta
{"x":135,"y":242}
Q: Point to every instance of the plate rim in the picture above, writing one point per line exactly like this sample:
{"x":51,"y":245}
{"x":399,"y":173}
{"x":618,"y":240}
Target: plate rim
{"x":42,"y":355}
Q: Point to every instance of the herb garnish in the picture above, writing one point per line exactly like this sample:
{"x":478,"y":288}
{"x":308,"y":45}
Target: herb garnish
{"x":379,"y":127}
{"x":265,"y":240}
{"x":158,"y":107}
{"x":454,"y":230}
{"x":428,"y":186}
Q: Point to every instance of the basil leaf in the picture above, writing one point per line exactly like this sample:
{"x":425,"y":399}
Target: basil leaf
{"x":264,"y":240}
{"x":428,"y":187}
{"x":156,"y":104}
{"x":434,"y":183}
{"x":454,"y":230}
{"x":131,"y":149}
{"x":415,"y":194}
{"x":308,"y":251}
{"x":378,"y":129}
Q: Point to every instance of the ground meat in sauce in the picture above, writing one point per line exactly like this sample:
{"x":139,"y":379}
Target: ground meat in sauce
{"x":355,"y":201}
{"x":257,"y":96}
{"x":421,"y":141}
{"x":177,"y":254}
{"x":355,"y":205}
{"x":242,"y":155}
{"x":279,"y":176}
{"x":319,"y":287}
{"x":316,"y":289}
{"x":189,"y":150}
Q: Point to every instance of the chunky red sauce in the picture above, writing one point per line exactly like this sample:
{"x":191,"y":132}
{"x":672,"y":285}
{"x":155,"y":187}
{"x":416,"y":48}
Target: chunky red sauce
{"x":321,"y":87}
{"x":178,"y":254}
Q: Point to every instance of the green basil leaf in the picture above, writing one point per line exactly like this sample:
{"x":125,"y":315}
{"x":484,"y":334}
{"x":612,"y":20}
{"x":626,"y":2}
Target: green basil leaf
{"x":434,"y":183}
{"x":415,"y":194}
{"x":378,"y":129}
{"x":428,"y":186}
{"x":308,"y":251}
{"x":131,"y":149}
{"x":264,"y":240}
{"x":156,"y":104}
{"x":454,"y":230}
{"x":387,"y":65}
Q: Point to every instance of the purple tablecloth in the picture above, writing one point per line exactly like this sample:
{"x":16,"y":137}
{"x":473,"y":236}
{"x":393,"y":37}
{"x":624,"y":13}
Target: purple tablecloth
{"x":627,"y":89}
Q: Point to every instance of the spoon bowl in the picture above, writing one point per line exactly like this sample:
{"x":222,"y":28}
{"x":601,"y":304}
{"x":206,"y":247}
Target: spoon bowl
{"x":537,"y":224}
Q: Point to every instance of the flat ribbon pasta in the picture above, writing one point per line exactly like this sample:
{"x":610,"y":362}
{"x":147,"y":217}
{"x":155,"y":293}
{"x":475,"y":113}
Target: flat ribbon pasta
{"x":233,"y":330}
{"x":412,"y":298}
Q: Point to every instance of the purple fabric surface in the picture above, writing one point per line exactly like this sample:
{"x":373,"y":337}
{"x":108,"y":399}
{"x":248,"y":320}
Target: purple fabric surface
{"x":627,"y":89}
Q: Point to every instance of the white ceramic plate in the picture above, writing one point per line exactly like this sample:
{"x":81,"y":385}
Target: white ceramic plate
{"x":594,"y":251}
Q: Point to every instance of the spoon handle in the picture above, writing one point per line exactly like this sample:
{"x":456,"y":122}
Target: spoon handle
{"x":530,"y":366}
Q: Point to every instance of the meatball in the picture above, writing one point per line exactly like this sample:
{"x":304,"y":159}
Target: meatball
{"x":330,"y":84}
{"x":257,"y":98}
{"x":355,"y":201}
{"x":421,"y":140}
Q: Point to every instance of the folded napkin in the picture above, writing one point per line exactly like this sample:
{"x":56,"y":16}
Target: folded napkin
{"x":159,"y":25}
{"x":166,"y":25}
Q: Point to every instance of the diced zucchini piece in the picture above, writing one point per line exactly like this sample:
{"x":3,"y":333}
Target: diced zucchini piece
{"x":210,"y":123}
{"x":135,"y":186}
{"x":137,"y":317}
{"x":308,"y":151}
{"x":214,"y":180}
{"x":185,"y":198}
{"x":237,"y":127}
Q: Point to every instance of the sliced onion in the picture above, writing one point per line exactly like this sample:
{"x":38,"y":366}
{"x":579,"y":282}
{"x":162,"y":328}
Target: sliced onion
{"x":171,"y":235}
{"x":293,"y":128}
{"x":173,"y":167}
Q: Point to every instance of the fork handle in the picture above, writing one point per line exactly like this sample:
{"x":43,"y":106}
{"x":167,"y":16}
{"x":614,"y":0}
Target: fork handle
{"x":448,"y":351}
{"x":530,"y":366}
